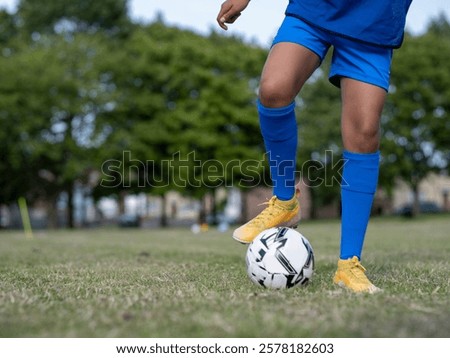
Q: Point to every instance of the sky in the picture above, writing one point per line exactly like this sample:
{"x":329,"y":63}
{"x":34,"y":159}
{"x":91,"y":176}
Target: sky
{"x":258,"y":23}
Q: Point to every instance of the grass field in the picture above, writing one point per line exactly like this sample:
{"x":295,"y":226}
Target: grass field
{"x":172,"y":283}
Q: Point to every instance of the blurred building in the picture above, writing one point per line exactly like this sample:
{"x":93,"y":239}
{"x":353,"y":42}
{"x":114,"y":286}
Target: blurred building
{"x":229,"y":205}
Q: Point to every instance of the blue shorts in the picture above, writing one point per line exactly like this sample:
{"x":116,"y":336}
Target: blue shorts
{"x":352,"y":59}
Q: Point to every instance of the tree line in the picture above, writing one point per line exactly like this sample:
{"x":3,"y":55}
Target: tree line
{"x":88,"y":97}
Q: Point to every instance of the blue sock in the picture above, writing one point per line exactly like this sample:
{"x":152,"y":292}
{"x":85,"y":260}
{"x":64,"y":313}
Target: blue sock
{"x":279,"y":130}
{"x":358,"y":187}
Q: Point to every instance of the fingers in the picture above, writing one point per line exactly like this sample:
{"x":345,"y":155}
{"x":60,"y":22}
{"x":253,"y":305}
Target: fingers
{"x":228,"y":18}
{"x":221,"y":22}
{"x":222,"y":17}
{"x":227,"y":15}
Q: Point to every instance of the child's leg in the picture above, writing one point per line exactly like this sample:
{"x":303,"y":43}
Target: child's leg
{"x":286,"y":70}
{"x":362,"y":105}
{"x":362,"y":71}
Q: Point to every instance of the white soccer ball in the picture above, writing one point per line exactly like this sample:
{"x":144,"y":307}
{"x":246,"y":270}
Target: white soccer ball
{"x":280,"y":258}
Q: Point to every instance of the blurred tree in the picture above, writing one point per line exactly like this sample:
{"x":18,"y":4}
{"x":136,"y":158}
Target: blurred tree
{"x":416,"y":122}
{"x":183,"y":111}
{"x":47,"y":16}
{"x":50,"y":94}
{"x":8,"y":27}
{"x":440,"y":26}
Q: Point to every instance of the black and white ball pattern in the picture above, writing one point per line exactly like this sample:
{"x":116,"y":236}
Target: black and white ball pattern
{"x":280,"y":258}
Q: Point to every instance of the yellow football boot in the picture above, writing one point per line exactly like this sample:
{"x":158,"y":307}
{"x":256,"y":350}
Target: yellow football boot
{"x":277,"y":213}
{"x":351,"y":275}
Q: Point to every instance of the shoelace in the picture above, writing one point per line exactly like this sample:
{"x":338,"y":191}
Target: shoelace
{"x":358,"y":270}
{"x":270,"y":202}
{"x":265,"y":213}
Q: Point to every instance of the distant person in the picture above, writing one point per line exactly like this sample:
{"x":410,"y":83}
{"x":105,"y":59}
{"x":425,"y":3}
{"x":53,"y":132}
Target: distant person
{"x":363,"y":35}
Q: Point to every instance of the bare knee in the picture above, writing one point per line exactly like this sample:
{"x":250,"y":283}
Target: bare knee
{"x":362,"y":137}
{"x":361,"y":112}
{"x":287,"y":68}
{"x":274,"y":94}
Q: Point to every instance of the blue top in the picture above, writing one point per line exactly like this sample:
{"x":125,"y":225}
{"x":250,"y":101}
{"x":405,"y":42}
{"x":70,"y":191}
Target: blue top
{"x":377,"y":22}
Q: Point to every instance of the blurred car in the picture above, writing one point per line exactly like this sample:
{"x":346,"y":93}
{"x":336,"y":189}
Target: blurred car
{"x":129,"y":220}
{"x":425,"y":207}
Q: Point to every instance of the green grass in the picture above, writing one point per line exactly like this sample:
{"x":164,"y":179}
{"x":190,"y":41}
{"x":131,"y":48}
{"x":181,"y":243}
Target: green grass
{"x":172,"y":283}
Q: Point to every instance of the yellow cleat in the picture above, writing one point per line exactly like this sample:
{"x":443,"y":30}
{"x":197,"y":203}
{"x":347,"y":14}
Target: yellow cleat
{"x":351,"y":275}
{"x":277,"y":213}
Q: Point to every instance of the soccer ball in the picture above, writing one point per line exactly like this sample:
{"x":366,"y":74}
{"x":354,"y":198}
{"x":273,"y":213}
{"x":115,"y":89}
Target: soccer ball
{"x":280,"y":258}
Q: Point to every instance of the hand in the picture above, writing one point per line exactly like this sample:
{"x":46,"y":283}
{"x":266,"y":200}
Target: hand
{"x":230,"y":11}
